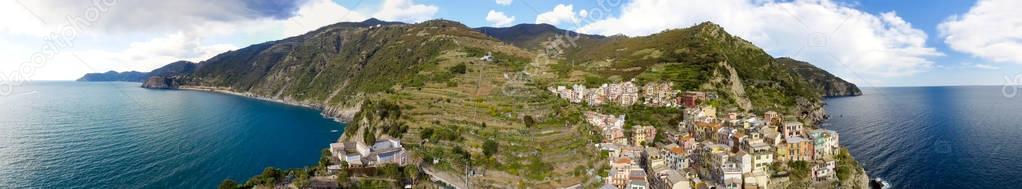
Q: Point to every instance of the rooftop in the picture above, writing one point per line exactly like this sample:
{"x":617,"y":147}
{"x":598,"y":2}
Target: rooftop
{"x":796,"y":139}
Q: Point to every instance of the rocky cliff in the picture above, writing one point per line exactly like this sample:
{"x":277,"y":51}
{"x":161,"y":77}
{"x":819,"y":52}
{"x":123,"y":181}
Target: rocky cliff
{"x":332,"y":68}
{"x":160,"y":82}
{"x":826,"y":83}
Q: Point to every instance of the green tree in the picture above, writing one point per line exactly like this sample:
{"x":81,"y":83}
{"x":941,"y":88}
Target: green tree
{"x":529,"y":121}
{"x":799,"y":169}
{"x":489,"y":147}
{"x":390,"y":170}
{"x":369,"y":136}
{"x":228,"y":184}
{"x":268,"y":177}
{"x":343,"y":178}
{"x":426,"y":133}
{"x":412,"y":172}
{"x":459,"y":69}
{"x":461,"y":153}
{"x":325,"y":158}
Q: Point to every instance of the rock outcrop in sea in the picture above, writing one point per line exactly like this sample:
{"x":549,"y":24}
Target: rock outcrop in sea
{"x":158,"y":82}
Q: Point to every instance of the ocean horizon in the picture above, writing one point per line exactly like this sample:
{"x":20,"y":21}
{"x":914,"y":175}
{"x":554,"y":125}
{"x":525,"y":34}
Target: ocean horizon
{"x":64,"y":134}
{"x":933,"y":137}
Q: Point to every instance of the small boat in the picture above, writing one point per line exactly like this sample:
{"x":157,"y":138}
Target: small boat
{"x":879,"y":183}
{"x":333,"y":131}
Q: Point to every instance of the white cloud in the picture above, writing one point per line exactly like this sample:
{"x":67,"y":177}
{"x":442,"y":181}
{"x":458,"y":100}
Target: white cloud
{"x":992,"y":29}
{"x":159,"y":16}
{"x":499,"y":19}
{"x":126,"y":46}
{"x":841,"y":39}
{"x":19,"y":20}
{"x":316,"y":14}
{"x":153,"y":53}
{"x":985,"y":66}
{"x":405,"y":11}
{"x":504,"y":2}
{"x":560,"y":14}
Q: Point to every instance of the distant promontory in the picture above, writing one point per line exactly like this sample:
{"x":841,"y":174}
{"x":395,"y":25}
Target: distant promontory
{"x":129,"y":76}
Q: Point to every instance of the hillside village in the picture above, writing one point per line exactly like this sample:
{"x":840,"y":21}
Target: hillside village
{"x":704,"y":150}
{"x":708,"y":148}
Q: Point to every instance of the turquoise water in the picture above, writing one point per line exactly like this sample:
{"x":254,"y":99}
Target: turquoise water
{"x":934,"y":137}
{"x":117,"y":135}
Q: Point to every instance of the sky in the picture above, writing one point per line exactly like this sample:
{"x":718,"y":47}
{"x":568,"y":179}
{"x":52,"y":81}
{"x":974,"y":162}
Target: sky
{"x":872,"y":43}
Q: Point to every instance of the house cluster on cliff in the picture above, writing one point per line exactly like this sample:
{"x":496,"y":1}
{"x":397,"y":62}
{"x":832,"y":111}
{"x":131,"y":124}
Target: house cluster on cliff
{"x":654,"y":94}
{"x":734,"y":150}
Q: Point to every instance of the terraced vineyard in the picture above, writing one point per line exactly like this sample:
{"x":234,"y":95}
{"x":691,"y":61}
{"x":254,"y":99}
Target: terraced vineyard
{"x":428,"y":85}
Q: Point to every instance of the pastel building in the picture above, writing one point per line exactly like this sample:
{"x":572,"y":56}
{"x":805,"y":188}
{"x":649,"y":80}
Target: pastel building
{"x":792,"y":129}
{"x":825,"y":142}
{"x":644,"y":135}
{"x":762,"y":156}
{"x":799,"y":149}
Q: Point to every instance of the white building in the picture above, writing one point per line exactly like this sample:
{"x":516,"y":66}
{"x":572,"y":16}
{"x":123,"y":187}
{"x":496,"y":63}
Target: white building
{"x":745,"y":161}
{"x":824,"y":171}
{"x":792,"y":129}
{"x":358,"y":154}
{"x":762,"y":156}
{"x":732,"y":175}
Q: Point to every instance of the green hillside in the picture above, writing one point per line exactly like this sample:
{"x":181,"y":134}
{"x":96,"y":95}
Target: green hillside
{"x":426,"y":84}
{"x":828,"y":84}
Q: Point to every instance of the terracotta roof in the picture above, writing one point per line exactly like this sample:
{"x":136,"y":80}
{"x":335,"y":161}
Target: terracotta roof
{"x":686,"y":137}
{"x":714,"y":125}
{"x":678,"y":150}
{"x":739,"y":135}
{"x":624,"y":160}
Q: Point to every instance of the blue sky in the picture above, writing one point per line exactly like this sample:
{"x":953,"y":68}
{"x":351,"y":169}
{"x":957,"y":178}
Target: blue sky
{"x":927,"y":15}
{"x":869,"y":42}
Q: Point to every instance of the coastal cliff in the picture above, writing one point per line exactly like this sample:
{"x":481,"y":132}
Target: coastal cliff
{"x":448,"y":88}
{"x":158,"y":82}
{"x":828,"y":84}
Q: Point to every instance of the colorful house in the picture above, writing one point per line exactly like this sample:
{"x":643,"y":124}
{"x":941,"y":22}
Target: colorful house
{"x":825,"y":143}
{"x":799,"y":149}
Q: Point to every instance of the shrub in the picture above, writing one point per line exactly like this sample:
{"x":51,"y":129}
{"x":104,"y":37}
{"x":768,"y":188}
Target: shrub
{"x":461,"y":153}
{"x":799,"y":169}
{"x":228,"y":184}
{"x":529,"y":121}
{"x":458,"y":69}
{"x":489,"y":148}
{"x":268,"y":177}
{"x":426,"y":133}
{"x":343,"y":179}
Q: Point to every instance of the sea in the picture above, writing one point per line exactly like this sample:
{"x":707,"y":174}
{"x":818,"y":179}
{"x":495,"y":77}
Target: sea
{"x":934,"y":137}
{"x":118,"y":135}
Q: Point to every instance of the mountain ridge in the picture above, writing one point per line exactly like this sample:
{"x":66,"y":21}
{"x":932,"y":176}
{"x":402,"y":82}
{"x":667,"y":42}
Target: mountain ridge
{"x":827,"y":83}
{"x":128,"y":76}
{"x":532,"y":36}
{"x":449,"y":88}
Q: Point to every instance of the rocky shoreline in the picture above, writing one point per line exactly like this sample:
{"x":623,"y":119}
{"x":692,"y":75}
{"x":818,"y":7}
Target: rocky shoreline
{"x":338,"y":114}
